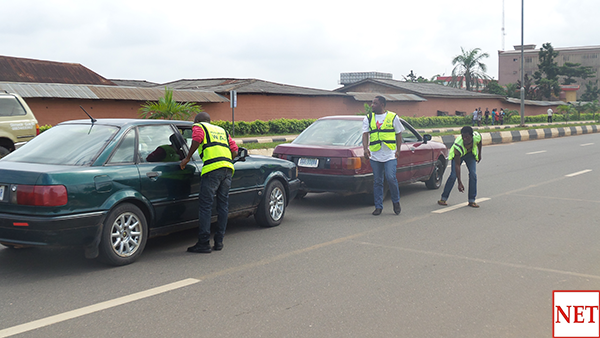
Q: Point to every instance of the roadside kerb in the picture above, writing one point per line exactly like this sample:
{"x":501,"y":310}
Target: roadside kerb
{"x":490,"y":135}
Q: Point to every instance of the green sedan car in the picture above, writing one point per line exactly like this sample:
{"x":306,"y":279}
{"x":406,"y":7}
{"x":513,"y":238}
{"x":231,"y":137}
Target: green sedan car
{"x":107,"y":186}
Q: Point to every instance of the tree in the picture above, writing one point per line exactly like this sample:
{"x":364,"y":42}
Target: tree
{"x":494,"y":88}
{"x":546,"y":78}
{"x":570,"y":70}
{"x":168,"y":109}
{"x":469,"y":66}
{"x":410,"y":77}
{"x":591,"y":92}
{"x":530,"y":90}
{"x":512,"y":90}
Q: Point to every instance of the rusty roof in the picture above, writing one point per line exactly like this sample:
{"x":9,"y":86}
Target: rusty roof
{"x":248,"y":86}
{"x":96,"y":92}
{"x":13,"y":69}
{"x":359,"y":96}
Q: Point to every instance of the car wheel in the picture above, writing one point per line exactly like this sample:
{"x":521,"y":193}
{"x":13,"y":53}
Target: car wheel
{"x":124,"y":235}
{"x":435,"y":180}
{"x":3,"y":152}
{"x":272,"y":206}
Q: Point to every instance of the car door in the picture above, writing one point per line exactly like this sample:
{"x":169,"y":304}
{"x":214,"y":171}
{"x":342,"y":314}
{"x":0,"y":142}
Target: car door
{"x":419,"y":152}
{"x":173,"y":192}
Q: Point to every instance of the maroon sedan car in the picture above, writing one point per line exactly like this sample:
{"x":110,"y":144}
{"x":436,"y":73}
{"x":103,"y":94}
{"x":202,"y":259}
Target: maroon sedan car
{"x":329,"y":155}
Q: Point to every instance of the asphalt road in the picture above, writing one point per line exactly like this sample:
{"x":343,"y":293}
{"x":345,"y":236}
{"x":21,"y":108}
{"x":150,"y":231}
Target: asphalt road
{"x":333,"y":270}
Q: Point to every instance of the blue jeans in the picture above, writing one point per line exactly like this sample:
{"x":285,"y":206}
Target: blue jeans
{"x":214,"y":182}
{"x":471,"y":163}
{"x":389,"y":170}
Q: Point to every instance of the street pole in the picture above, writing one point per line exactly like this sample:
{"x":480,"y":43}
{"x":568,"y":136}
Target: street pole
{"x":522,"y":68}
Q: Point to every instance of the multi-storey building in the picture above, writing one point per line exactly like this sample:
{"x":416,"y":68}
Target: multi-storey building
{"x":509,"y":63}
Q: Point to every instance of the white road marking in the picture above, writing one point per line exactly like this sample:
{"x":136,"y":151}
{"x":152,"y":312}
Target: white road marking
{"x":36,"y":324}
{"x":586,"y":144}
{"x":458,"y":206}
{"x":536,"y":152}
{"x":579,"y":173}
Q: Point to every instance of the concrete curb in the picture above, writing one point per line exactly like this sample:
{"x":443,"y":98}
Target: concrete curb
{"x":491,"y":137}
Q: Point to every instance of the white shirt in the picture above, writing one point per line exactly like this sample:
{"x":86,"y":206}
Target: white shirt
{"x":549,"y":111}
{"x":385,"y":153}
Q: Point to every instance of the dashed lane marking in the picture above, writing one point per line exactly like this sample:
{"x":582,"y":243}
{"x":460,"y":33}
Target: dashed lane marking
{"x":579,"y":173}
{"x":458,"y":206}
{"x":536,"y":152}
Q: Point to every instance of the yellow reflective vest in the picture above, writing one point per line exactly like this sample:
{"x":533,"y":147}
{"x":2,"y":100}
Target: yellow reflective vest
{"x":214,"y":149}
{"x":387,"y":133}
{"x":459,"y":145}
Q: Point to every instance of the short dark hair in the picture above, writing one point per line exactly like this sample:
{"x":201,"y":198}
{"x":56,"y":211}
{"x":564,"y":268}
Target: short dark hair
{"x":467,"y":130}
{"x":381,"y":99}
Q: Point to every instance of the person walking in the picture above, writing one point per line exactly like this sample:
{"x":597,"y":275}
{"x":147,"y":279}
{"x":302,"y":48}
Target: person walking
{"x":217,"y":152}
{"x":466,"y":148}
{"x":493,"y":116}
{"x":475,"y":114}
{"x":487,"y":116}
{"x":501,"y":116}
{"x":550,"y":115}
{"x":382,"y":139}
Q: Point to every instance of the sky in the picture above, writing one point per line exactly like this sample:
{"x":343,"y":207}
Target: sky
{"x":303,"y":43}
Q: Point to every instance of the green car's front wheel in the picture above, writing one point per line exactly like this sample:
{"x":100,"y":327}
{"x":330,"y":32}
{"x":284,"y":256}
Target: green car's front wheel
{"x":124,"y":235}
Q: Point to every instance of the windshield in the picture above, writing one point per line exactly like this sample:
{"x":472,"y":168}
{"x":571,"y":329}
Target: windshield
{"x":10,"y":106}
{"x":74,"y":144}
{"x":332,"y":133}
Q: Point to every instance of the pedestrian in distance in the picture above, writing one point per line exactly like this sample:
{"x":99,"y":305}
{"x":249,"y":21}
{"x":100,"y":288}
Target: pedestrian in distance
{"x":475,"y":114}
{"x":382,"y":139}
{"x":479,"y":117}
{"x":487,"y":117}
{"x":493,"y":116}
{"x":501,"y":116}
{"x":550,"y":115}
{"x":217,"y":150}
{"x":466,"y":148}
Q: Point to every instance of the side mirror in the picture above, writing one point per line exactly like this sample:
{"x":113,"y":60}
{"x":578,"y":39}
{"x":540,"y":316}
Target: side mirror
{"x":241,"y":156}
{"x":426,"y":138}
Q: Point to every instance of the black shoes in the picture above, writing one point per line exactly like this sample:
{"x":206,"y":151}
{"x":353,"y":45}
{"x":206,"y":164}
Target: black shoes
{"x":377,"y":212}
{"x":218,"y":246}
{"x":201,"y":248}
{"x":397,"y":208}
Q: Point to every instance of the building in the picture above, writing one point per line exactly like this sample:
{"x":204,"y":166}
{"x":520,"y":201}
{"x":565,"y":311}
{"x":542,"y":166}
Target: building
{"x":509,"y":63}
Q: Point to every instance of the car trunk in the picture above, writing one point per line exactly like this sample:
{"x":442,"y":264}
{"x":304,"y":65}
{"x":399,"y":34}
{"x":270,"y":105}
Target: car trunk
{"x":324,"y":159}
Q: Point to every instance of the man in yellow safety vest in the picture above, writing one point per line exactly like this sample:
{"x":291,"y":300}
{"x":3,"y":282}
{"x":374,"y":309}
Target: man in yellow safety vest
{"x":382,"y":139}
{"x":217,"y":151}
{"x":466,"y":148}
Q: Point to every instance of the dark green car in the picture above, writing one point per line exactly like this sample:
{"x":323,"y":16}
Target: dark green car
{"x":107,"y":186}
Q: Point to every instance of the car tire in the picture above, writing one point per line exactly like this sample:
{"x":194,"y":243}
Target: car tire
{"x":435,"y":180}
{"x":272,"y":206}
{"x":124,"y":235}
{"x":3,"y":152}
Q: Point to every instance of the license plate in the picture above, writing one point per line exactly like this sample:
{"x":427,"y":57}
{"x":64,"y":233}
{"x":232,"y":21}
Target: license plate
{"x":308,"y":162}
{"x":2,"y":188}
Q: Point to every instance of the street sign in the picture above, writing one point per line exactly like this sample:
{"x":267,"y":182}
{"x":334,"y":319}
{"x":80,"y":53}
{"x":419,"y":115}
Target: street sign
{"x":233,"y":98}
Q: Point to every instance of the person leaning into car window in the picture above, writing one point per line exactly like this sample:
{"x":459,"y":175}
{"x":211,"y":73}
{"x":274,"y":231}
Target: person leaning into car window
{"x":217,"y":152}
{"x":382,"y":138}
{"x":167,"y":152}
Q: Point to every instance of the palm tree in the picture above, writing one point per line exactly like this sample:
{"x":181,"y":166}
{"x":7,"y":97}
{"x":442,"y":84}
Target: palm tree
{"x":168,"y":109}
{"x":468,"y":66}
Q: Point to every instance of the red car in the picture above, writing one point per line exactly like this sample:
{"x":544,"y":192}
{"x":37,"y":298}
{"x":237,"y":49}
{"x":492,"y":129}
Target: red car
{"x":329,"y":155}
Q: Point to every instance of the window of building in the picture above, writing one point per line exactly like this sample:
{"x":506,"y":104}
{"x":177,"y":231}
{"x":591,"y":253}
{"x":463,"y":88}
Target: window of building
{"x":528,"y":59}
{"x":590,"y":56}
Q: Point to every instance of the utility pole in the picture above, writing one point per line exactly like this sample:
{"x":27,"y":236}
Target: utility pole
{"x":522,"y":58}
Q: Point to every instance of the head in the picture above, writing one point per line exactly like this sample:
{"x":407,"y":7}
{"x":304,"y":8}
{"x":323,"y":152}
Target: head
{"x":378,"y":104}
{"x":467,"y":134}
{"x":202,"y":117}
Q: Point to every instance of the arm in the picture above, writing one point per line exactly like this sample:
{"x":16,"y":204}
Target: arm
{"x":456,"y":164}
{"x":479,"y":146}
{"x":398,"y":144}
{"x":233,"y":147}
{"x":365,"y":141}
{"x":193,"y":148}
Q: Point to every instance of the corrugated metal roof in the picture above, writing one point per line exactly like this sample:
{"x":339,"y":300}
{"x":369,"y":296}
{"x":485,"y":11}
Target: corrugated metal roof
{"x":535,"y":103}
{"x":13,"y":69}
{"x":389,"y":97}
{"x":248,"y":86}
{"x":92,"y":92}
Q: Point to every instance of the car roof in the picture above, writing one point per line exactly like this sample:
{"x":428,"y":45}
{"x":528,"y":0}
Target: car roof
{"x":126,"y":122}
{"x":343,"y":117}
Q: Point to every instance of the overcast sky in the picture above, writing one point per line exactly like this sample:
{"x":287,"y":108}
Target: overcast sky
{"x":304,"y":43}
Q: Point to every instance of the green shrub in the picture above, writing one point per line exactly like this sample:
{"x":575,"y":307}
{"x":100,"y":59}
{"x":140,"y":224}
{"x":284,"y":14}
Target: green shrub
{"x":45,"y":127}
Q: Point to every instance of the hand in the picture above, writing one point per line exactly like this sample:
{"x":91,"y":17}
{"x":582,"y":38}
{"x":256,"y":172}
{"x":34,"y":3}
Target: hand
{"x":398,"y":153}
{"x":479,"y":158}
{"x":461,"y":187}
{"x":367,"y":154}
{"x":183,"y":163}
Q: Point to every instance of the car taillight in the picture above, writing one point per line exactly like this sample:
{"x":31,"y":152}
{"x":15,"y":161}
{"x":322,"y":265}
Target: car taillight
{"x":37,"y":129}
{"x":42,"y":195}
{"x":353,"y":163}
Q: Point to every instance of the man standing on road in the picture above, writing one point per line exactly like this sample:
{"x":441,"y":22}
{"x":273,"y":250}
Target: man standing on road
{"x":382,"y":139}
{"x":467,"y":148}
{"x":550,"y":115}
{"x":217,"y":152}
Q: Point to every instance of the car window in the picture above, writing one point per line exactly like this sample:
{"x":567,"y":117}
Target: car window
{"x":332,"y":133}
{"x":408,"y":135}
{"x":187,"y":135}
{"x":160,"y":144}
{"x":126,"y":150}
{"x":72,"y":144}
{"x":10,"y":106}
